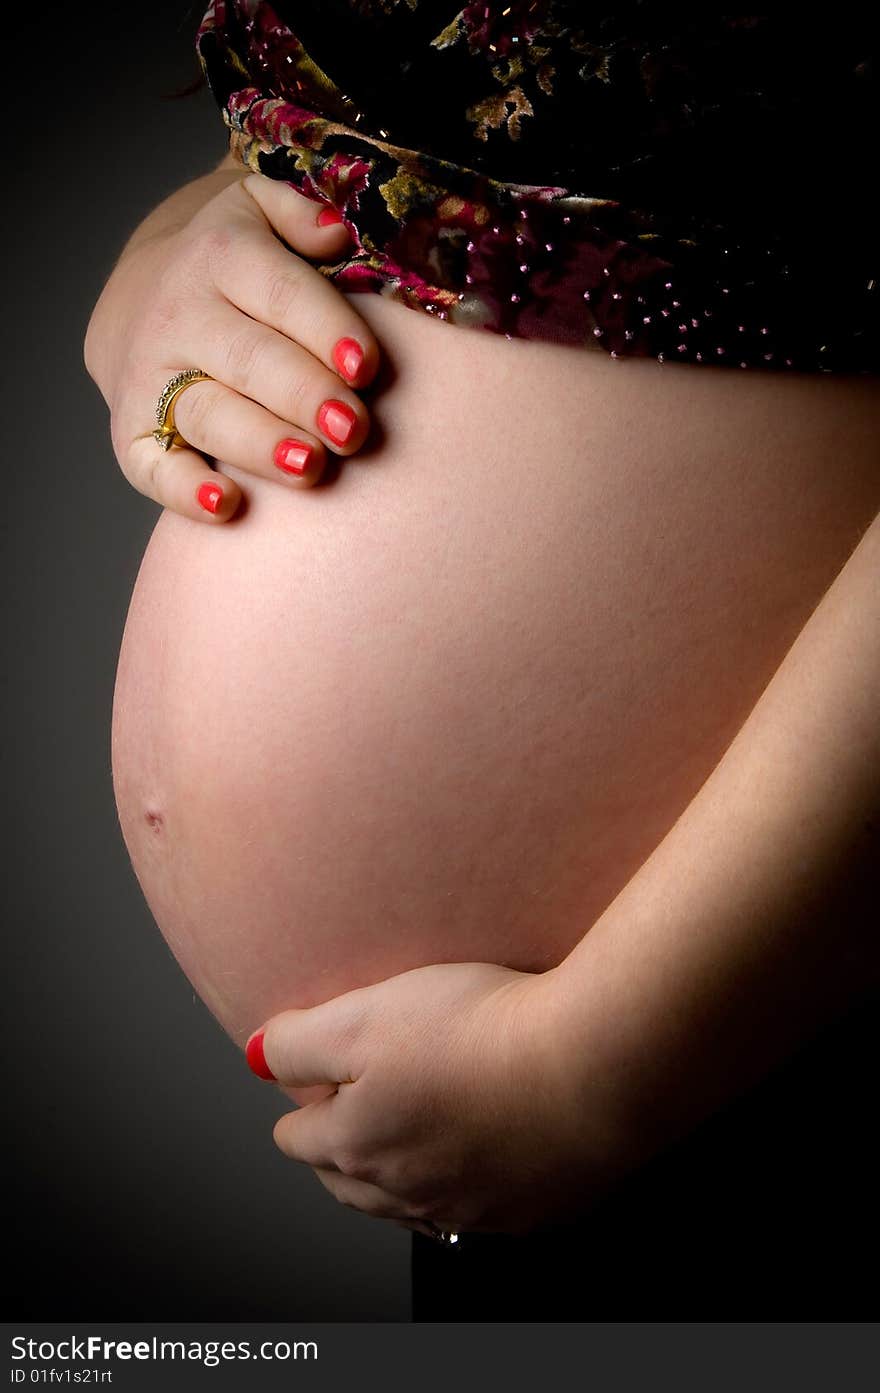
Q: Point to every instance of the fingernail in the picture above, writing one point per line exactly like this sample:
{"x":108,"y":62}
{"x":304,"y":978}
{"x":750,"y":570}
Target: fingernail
{"x":348,"y":357}
{"x":328,"y":216}
{"x":253,"y":1053}
{"x":209,"y":496}
{"x":292,"y":456}
{"x":337,"y":420}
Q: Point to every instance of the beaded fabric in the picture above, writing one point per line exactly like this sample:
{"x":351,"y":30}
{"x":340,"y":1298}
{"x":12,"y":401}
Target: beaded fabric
{"x":656,"y":181}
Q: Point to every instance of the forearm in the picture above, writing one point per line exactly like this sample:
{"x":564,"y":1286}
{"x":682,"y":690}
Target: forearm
{"x":744,"y":930}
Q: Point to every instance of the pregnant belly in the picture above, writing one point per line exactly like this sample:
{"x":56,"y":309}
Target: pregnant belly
{"x":442,"y":708}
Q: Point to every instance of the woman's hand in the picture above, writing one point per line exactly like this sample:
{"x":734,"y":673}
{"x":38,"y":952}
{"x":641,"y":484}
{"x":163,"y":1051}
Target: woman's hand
{"x":452,"y":1103}
{"x":224,"y":294}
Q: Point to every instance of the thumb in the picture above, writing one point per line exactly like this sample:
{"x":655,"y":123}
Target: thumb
{"x":295,"y":217}
{"x":301,"y":1048}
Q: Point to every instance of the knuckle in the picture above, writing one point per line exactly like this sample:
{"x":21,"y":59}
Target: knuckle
{"x":195,"y":407}
{"x":406,"y":1179}
{"x":212,"y":245}
{"x":249,"y":187}
{"x":299,"y":396}
{"x":280,"y":293}
{"x":414,"y":1177}
{"x":161,"y":318}
{"x":355,"y":1165}
{"x":234,"y":194}
{"x":161,"y":325}
{"x":242,"y":353}
{"x":422,"y":1210}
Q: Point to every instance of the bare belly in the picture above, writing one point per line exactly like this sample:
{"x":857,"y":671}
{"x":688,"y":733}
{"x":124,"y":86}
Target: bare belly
{"x":443,"y":707}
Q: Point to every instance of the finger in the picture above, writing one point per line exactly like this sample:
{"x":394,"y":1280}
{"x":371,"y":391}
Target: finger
{"x":366,"y":1198}
{"x":287,"y":294}
{"x":225,"y":425}
{"x":313,"y":1135}
{"x":178,"y":479}
{"x":260,"y":363}
{"x":317,"y":1044}
{"x":311,"y":226}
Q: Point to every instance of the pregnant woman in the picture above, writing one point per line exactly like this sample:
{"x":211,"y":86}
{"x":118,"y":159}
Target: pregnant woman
{"x":511,"y":794}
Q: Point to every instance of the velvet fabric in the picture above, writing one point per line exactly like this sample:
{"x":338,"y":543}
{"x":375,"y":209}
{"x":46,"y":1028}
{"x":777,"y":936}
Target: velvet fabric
{"x":657,"y":180}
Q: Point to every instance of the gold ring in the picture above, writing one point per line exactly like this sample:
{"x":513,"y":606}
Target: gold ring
{"x":447,"y":1237}
{"x":166,"y":432}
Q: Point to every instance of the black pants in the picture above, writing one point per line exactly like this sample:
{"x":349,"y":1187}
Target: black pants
{"x":768,"y":1211}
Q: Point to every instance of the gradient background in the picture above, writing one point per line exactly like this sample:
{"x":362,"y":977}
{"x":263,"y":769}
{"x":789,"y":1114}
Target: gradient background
{"x":141,"y":1177}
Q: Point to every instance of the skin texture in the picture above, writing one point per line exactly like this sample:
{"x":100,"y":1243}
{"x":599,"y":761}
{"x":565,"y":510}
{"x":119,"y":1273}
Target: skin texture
{"x":441,"y":707}
{"x":207,"y":279}
{"x":475,"y":1097}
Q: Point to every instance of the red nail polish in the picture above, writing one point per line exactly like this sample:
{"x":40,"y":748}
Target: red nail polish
{"x":328,"y":216}
{"x":292,"y":456}
{"x":253,"y":1053}
{"x":336,"y":420}
{"x":348,"y":357}
{"x":209,"y":496}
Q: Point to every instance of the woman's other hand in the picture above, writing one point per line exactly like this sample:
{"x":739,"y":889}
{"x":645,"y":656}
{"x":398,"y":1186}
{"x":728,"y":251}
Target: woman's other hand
{"x":453,"y":1103}
{"x":224,"y":294}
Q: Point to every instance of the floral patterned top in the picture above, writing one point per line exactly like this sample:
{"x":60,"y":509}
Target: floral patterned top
{"x":657,"y":181}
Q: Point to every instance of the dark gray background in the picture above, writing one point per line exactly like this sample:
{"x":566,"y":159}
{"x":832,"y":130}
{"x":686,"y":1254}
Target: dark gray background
{"x":143,"y":1177}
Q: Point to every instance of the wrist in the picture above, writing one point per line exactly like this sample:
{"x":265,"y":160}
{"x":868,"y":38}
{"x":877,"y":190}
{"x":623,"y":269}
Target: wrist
{"x":589,"y":1072}
{"x":173,"y":214}
{"x":139,"y":258}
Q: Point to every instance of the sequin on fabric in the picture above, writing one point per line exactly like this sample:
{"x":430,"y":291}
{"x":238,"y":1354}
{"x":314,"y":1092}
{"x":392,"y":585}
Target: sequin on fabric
{"x":646,"y":182}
